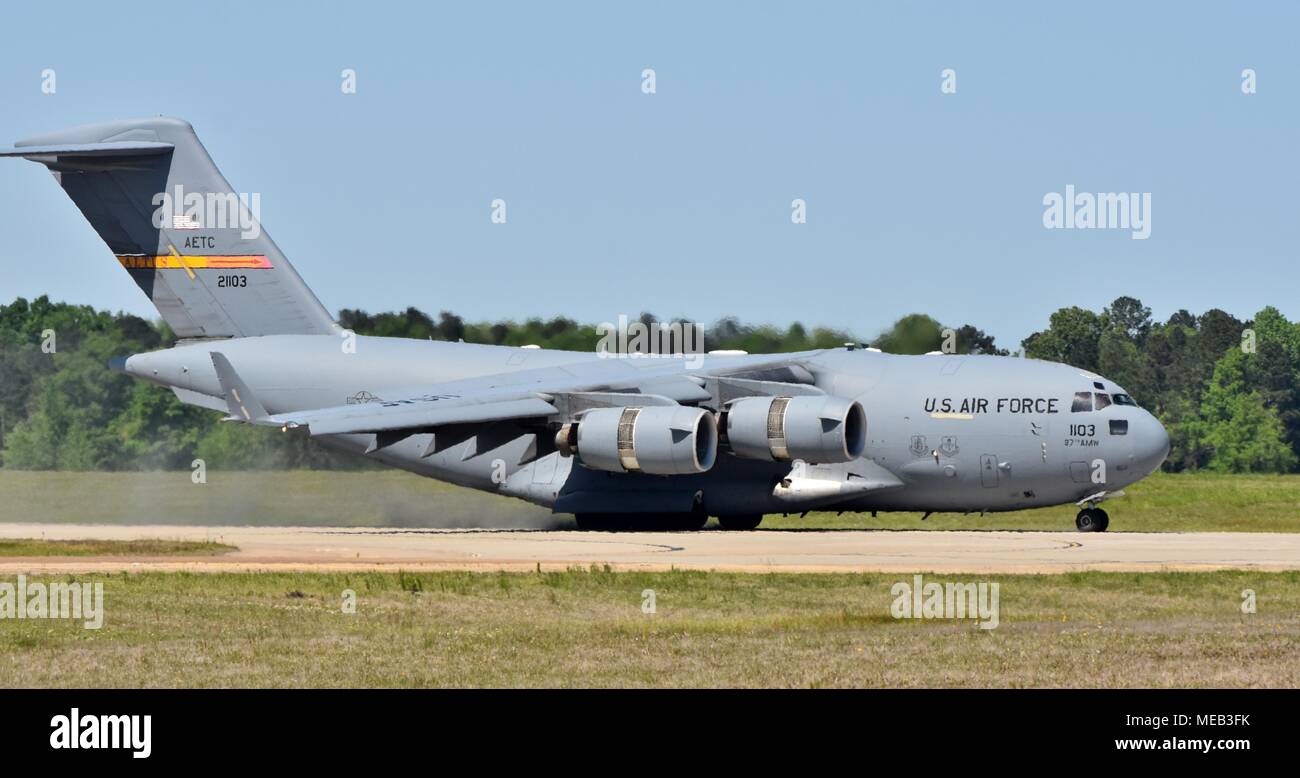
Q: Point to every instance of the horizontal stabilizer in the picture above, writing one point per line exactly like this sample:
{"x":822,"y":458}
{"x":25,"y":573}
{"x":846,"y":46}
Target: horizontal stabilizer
{"x":111,"y":149}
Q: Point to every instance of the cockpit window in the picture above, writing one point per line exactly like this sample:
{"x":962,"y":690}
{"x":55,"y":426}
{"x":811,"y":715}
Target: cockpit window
{"x":1124,"y":399}
{"x":1103,"y":400}
{"x":1082,"y":402}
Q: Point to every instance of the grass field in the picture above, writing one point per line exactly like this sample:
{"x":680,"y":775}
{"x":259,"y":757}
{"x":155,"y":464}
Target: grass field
{"x":1163,"y":502}
{"x":587,"y":628}
{"x":147,"y":547}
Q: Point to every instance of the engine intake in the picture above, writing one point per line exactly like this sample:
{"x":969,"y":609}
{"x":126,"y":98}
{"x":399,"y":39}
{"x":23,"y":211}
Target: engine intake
{"x":658,"y":439}
{"x":815,"y":428}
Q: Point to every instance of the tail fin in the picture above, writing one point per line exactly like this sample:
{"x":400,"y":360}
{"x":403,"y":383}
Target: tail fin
{"x":194,"y":246}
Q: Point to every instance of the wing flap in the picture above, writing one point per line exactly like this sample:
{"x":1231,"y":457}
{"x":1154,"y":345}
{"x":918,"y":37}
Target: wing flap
{"x":385,"y":417}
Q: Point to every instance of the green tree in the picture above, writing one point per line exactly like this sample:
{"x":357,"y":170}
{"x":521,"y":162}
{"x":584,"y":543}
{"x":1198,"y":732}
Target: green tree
{"x":1073,"y":336}
{"x":71,"y":421}
{"x":1120,"y":360}
{"x":1272,"y":369}
{"x":157,"y":431}
{"x":1129,"y":316}
{"x":972,"y":340}
{"x":915,"y":333}
{"x":1239,"y":430}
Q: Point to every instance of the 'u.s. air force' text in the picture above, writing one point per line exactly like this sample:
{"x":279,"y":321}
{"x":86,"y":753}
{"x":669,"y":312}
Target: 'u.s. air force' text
{"x":974,"y":405}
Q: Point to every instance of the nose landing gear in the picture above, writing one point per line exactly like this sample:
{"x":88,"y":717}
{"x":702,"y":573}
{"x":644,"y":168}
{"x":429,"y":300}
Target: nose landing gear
{"x":1092,"y":520}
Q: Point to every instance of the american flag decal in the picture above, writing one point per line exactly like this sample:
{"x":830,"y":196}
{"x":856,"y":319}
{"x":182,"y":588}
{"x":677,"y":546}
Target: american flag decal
{"x":185,"y":222}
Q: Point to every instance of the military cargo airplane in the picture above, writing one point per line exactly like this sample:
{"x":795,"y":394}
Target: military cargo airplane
{"x":620,"y":442}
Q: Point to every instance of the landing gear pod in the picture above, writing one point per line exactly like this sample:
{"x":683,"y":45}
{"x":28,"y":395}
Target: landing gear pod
{"x":659,"y":439}
{"x":815,"y":428}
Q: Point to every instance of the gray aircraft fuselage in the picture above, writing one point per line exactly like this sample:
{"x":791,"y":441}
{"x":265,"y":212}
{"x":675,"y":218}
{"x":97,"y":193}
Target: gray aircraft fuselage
{"x":961,"y":433}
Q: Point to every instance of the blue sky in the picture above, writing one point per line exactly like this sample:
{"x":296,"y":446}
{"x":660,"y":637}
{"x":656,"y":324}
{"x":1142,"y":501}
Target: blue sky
{"x":678,"y":202}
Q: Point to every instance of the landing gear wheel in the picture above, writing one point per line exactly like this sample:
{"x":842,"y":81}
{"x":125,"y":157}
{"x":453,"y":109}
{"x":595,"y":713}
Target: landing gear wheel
{"x":595,"y":522}
{"x":1092,"y":520}
{"x":742,"y":522}
{"x":680,"y":522}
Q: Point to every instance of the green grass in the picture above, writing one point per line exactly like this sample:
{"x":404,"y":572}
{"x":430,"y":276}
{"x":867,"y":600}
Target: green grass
{"x":586,"y":628}
{"x":31,"y":547}
{"x":1163,"y":502}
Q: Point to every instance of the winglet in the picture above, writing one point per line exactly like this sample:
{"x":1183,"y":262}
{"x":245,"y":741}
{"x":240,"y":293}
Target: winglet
{"x":243,"y":404}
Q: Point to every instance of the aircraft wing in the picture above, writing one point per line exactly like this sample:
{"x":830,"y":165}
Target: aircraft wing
{"x":548,"y":392}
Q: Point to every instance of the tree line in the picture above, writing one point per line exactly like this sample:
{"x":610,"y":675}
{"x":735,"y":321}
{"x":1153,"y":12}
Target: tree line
{"x":1226,"y":389}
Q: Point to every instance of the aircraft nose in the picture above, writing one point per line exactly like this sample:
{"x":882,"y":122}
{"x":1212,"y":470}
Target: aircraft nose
{"x":1150,"y":443}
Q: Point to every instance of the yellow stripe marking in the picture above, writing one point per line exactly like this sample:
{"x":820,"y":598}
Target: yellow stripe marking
{"x":177,"y":262}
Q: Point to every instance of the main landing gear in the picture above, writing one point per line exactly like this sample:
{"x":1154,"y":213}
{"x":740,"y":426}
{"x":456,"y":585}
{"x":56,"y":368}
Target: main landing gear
{"x":641,"y":522}
{"x":742,"y":522}
{"x":1092,"y":520}
{"x":661,"y":522}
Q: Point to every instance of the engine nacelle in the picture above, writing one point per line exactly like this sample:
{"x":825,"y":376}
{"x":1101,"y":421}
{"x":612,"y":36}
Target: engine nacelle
{"x":815,"y":428}
{"x":657,"y":439}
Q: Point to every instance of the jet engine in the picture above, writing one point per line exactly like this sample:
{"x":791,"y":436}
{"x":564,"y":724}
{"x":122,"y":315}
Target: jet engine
{"x":657,"y":439}
{"x":815,"y":428}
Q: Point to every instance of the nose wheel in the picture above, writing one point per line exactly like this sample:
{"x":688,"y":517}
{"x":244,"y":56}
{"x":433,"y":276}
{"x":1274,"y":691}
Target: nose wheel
{"x":1092,"y":520}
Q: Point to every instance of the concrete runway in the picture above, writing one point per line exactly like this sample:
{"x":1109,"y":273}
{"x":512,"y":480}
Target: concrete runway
{"x":323,"y":549}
